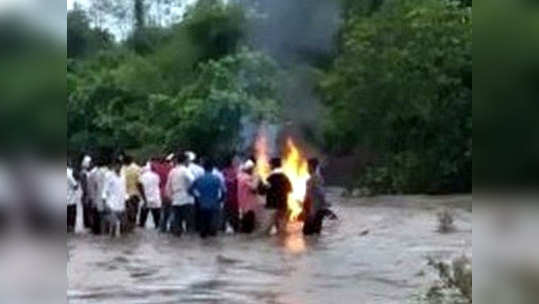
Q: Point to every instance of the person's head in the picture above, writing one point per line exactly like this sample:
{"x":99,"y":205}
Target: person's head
{"x":228,"y":161}
{"x":116,"y":165}
{"x":208,"y":165}
{"x":127,"y":159}
{"x":170,"y":158}
{"x":248,"y":167}
{"x":120,"y":157}
{"x":276,"y":163}
{"x":191,"y":156}
{"x":86,"y":162}
{"x":314,"y":163}
{"x":181,"y":158}
{"x":105,"y":160}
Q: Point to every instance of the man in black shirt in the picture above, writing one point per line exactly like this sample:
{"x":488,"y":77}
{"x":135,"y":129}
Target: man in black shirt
{"x":277,"y":189}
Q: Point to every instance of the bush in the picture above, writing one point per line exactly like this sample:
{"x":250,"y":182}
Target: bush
{"x":446,"y":219}
{"x":454,"y":284}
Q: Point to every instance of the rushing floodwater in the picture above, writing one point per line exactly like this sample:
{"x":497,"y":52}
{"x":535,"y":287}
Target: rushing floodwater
{"x":373,"y":254}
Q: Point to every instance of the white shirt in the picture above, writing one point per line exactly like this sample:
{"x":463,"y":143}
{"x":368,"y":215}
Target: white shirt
{"x":196,"y":170}
{"x":150,"y":182}
{"x":179,"y":181}
{"x":74,"y":193}
{"x":96,"y":183}
{"x":114,"y":192}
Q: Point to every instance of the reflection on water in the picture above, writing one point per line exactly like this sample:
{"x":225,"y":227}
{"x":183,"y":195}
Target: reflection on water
{"x":343,"y":265}
{"x":293,"y":240}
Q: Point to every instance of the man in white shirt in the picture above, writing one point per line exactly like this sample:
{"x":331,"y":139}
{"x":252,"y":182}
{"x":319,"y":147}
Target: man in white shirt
{"x":96,"y":183}
{"x":73,"y":198}
{"x":179,"y":181}
{"x":151,"y":195}
{"x":114,"y":197}
{"x":196,"y":170}
{"x":86,"y":167}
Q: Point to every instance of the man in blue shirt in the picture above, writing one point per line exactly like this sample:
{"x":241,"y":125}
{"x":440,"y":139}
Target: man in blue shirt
{"x":209,"y":191}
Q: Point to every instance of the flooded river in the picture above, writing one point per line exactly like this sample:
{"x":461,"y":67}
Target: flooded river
{"x":375,"y":253}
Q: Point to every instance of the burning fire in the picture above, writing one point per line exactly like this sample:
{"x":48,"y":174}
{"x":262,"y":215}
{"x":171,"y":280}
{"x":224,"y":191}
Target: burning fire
{"x":295,"y":166}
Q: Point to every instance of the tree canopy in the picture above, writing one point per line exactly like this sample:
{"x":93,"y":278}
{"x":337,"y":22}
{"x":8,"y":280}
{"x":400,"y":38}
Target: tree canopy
{"x":402,"y":87}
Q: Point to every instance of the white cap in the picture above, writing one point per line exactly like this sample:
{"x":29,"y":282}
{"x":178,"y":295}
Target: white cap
{"x":248,"y":165}
{"x":191,"y":155}
{"x":86,"y":161}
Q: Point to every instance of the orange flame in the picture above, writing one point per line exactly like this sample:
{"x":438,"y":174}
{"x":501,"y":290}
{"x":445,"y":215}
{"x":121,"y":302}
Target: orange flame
{"x":295,"y":166}
{"x":262,"y":159}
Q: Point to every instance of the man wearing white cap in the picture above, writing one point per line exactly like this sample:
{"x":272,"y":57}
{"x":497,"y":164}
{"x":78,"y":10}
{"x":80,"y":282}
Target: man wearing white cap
{"x":248,"y":199}
{"x":73,"y":198}
{"x":86,"y":167}
{"x":195,"y":169}
{"x":114,"y":197}
{"x":179,"y":181}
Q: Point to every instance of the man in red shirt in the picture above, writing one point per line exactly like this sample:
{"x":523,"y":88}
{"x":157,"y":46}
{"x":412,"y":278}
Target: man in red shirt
{"x":163,"y":166}
{"x":231,"y":209}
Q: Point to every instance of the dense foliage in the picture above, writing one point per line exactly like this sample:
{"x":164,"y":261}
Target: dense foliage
{"x":403,"y":87}
{"x":191,"y":88}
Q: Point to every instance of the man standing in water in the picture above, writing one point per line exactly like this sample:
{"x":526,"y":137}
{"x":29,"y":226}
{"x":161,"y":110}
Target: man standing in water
{"x":163,"y":166}
{"x":177,"y":188}
{"x":114,"y":195}
{"x":277,"y":189}
{"x":231,"y":214}
{"x":131,"y":173}
{"x":86,"y":167}
{"x":73,"y":197}
{"x":315,"y":206}
{"x":96,"y":182}
{"x":208,"y":190}
{"x":151,"y":195}
{"x":248,"y":196}
{"x":197,"y":171}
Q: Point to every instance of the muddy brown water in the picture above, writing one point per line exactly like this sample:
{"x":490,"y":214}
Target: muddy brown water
{"x":375,"y":253}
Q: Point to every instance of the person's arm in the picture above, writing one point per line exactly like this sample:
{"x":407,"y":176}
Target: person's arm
{"x":106,"y":192}
{"x":193,"y":189}
{"x":140,"y":188}
{"x":190,"y":176}
{"x":223,"y":190}
{"x":168,"y":185}
{"x":264,"y":186}
{"x":84,"y":186}
{"x":288,"y":185}
{"x":72,"y":182}
{"x":320,"y":195}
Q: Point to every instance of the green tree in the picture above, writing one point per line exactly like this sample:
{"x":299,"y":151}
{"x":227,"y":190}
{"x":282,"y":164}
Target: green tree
{"x":225,"y":93}
{"x":402,"y":87}
{"x":205,"y":115}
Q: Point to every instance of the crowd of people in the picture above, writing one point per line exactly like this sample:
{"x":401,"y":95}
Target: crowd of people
{"x":184,"y":194}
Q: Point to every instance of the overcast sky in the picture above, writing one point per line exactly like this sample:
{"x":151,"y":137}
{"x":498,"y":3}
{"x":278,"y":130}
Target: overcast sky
{"x":114,"y":28}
